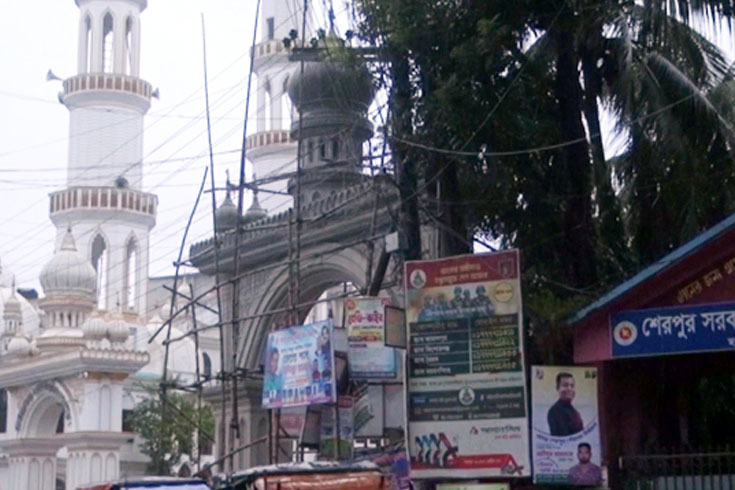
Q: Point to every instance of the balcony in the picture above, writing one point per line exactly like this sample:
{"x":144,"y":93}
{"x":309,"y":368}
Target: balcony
{"x":103,"y":198}
{"x":268,"y":138}
{"x":107,"y":88}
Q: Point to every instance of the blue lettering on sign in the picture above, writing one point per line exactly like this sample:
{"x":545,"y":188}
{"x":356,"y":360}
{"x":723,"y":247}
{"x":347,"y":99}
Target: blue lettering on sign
{"x":668,"y":330}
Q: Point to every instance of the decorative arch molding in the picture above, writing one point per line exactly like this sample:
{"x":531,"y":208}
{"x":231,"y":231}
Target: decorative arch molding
{"x":131,"y":267}
{"x":40,"y":399}
{"x":348,"y":265}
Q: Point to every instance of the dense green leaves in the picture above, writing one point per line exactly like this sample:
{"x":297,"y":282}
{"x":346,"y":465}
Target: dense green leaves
{"x":532,"y":78}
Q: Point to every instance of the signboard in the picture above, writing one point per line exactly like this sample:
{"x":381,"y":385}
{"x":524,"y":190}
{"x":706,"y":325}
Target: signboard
{"x":565,"y":426}
{"x":473,"y":486}
{"x":345,"y":420}
{"x":299,"y":366}
{"x":395,"y":327}
{"x":698,"y":328}
{"x":369,"y":358}
{"x":466,"y":384}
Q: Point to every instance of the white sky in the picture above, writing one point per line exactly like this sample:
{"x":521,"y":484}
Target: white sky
{"x":41,"y":34}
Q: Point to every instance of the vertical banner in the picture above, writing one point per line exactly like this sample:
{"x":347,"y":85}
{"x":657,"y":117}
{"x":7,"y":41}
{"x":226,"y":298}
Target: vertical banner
{"x":566,"y":431}
{"x":346,"y":430}
{"x":299,"y":366}
{"x":466,"y":385}
{"x":369,"y":358}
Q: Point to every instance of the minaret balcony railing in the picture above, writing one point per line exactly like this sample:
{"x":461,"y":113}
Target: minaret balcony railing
{"x":267,"y":48}
{"x":109,"y":82}
{"x":102,"y":198}
{"x":267,"y":138}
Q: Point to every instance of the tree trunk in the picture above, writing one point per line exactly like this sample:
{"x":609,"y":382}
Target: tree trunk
{"x":577,"y":225}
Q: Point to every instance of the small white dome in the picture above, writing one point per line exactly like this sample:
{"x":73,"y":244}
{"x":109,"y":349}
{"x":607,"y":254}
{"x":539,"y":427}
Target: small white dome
{"x":118,"y":330}
{"x":68,"y":271}
{"x":94,"y":328}
{"x":19,"y":346}
{"x":11,"y":309}
{"x":226,"y":214}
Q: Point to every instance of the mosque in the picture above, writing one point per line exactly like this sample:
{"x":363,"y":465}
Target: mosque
{"x":75,"y":361}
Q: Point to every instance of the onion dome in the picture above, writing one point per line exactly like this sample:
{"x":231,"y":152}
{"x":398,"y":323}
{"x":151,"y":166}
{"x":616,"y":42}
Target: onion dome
{"x":19,"y":346}
{"x":118,"y":330}
{"x":331,"y":83}
{"x":94,"y":328}
{"x":254,"y":212}
{"x":226,"y":213}
{"x":68,"y":272}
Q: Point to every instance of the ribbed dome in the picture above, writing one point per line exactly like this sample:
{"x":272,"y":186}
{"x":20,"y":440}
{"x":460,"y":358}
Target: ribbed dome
{"x":68,"y":271}
{"x":94,"y":328}
{"x":331,"y":83}
{"x":226,"y":214}
{"x":254,"y":212}
{"x":118,"y":330}
{"x":19,"y":346}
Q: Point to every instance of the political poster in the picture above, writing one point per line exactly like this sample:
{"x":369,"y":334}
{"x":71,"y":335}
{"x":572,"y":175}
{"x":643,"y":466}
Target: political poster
{"x":565,"y":426}
{"x":466,"y":386}
{"x":368,"y":356}
{"x":299,"y":366}
{"x":343,"y":415}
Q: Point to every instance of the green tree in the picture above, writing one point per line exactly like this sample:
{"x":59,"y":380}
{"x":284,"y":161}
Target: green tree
{"x":529,"y":74}
{"x":171,"y":433}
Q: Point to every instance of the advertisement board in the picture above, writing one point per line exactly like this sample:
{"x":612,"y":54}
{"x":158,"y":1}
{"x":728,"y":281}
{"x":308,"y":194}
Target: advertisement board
{"x":299,"y":366}
{"x":369,"y":358}
{"x":565,"y":425}
{"x":697,"y":328}
{"x":467,"y":414}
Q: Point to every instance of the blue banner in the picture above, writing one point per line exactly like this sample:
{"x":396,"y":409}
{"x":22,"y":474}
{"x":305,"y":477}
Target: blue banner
{"x":654,"y":331}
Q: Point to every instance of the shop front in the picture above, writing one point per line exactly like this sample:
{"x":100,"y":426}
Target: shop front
{"x":663,"y":343}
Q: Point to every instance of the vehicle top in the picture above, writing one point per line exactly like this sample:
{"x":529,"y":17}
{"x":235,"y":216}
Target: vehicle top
{"x":304,"y":468}
{"x":151,"y":483}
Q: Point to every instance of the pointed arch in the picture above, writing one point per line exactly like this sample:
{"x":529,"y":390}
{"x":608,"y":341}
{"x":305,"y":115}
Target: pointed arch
{"x":130,"y":274}
{"x":99,"y":256}
{"x":108,"y":42}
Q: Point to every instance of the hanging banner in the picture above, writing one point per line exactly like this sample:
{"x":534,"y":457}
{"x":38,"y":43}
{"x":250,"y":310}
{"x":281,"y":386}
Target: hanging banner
{"x":566,"y":429}
{"x":656,"y":331}
{"x":299,"y":366}
{"x":369,"y":358}
{"x":346,"y":429}
{"x":466,"y":385}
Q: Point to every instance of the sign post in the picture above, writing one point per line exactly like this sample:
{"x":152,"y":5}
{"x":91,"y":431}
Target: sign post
{"x":466,"y":386}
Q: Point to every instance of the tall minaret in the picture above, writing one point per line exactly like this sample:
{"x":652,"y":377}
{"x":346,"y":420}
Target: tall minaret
{"x":109,"y":216}
{"x":271,"y":149}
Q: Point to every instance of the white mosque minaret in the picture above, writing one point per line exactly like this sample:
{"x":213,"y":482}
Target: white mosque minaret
{"x":109,"y":216}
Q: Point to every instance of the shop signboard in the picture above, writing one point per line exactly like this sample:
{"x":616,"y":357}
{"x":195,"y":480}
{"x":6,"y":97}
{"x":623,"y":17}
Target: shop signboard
{"x":467,"y":414}
{"x":565,"y":426}
{"x":299,"y":366}
{"x":679,"y":329}
{"x":368,"y":356}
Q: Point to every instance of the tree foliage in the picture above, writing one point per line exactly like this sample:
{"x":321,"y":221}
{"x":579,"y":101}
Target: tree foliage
{"x":171,"y":433}
{"x":524,"y":83}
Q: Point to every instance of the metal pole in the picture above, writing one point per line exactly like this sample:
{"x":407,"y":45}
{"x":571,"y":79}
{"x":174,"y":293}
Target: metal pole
{"x":222,"y":446}
{"x":199,"y":384}
{"x":235,"y":423}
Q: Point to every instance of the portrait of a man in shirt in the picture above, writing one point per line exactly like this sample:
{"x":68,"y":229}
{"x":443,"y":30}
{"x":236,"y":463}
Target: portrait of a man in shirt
{"x":585,"y":472}
{"x":563,"y":418}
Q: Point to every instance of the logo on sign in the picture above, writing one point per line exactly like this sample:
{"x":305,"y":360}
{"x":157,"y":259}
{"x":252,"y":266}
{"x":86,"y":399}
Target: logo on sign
{"x":503,"y":292}
{"x":466,"y":396}
{"x":625,"y":333}
{"x":418,"y":279}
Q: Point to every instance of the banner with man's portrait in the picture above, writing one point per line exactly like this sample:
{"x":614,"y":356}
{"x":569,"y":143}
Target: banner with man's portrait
{"x":565,"y":426}
{"x":299,"y":366}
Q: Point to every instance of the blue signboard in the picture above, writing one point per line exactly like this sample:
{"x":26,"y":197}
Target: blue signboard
{"x":670,"y":330}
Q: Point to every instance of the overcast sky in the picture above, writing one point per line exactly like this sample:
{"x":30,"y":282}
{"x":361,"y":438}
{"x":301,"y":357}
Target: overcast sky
{"x":38,"y":35}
